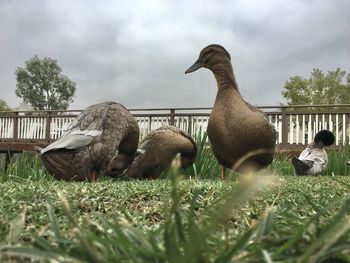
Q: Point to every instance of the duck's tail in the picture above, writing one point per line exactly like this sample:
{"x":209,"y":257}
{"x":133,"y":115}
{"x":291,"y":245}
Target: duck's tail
{"x":325,"y":137}
{"x":300,"y":166}
{"x":37,"y":149}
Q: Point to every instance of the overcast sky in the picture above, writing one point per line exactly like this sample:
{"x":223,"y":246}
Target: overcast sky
{"x":136,"y":52}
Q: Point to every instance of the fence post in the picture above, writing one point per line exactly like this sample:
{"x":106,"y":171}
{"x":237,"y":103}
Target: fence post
{"x":172,"y":117}
{"x":284,"y":128}
{"x":189,"y":130}
{"x":15,"y":127}
{"x":48,"y":127}
{"x":149,"y":124}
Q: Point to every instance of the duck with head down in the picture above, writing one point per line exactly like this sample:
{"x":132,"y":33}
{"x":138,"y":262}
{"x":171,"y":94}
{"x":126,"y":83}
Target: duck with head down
{"x":314,"y":160}
{"x":88,"y":145}
{"x":156,"y":153}
{"x":241,"y":136}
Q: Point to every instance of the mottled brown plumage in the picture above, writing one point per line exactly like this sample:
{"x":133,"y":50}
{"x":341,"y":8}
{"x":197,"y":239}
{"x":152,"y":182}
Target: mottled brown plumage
{"x":240,"y":134}
{"x":91,"y":141}
{"x":156,"y":152}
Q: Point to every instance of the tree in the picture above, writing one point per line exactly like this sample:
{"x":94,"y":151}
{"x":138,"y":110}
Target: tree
{"x":42,"y":85}
{"x":4,"y":106}
{"x":333,"y":88}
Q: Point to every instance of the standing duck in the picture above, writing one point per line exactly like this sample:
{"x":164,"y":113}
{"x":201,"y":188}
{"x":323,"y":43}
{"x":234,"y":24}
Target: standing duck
{"x":313,"y":160}
{"x":156,"y":152}
{"x":91,"y":141}
{"x":240,"y":134}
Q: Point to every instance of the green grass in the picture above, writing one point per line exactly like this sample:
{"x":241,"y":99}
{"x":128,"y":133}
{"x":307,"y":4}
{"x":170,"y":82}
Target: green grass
{"x":205,"y":165}
{"x":190,"y":217}
{"x":336,"y":160}
{"x":282,"y":218}
{"x":24,"y":167}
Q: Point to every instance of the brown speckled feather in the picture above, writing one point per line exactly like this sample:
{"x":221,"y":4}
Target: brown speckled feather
{"x":91,"y":141}
{"x":158,"y":150}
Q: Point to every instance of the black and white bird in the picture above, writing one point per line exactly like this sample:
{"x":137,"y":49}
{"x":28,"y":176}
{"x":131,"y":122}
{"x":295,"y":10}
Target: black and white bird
{"x":313,"y":160}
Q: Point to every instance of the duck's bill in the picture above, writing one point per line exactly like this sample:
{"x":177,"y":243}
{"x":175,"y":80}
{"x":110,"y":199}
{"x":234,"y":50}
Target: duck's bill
{"x":194,"y":67}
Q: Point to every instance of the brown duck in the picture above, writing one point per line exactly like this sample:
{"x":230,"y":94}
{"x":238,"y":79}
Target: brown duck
{"x":91,"y":141}
{"x":241,"y":136}
{"x":156,"y":152}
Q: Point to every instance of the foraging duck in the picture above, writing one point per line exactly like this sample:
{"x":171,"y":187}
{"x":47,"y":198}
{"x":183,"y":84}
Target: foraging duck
{"x":156,"y":152}
{"x":313,"y":160}
{"x":241,"y":135}
{"x":91,"y":141}
{"x":119,"y":164}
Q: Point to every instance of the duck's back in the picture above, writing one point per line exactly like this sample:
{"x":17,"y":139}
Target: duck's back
{"x":160,"y":147}
{"x":92,"y":140}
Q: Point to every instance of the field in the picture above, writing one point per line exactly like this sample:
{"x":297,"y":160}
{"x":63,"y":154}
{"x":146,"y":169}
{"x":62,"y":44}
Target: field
{"x":188,"y":216}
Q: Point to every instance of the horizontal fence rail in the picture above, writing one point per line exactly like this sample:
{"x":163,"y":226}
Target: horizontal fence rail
{"x":295,"y":125}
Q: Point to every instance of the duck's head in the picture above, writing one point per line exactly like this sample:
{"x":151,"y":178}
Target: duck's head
{"x":120,"y":163}
{"x":211,"y":57}
{"x":324,"y":138}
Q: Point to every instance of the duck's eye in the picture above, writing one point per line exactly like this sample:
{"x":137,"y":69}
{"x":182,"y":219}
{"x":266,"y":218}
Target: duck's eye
{"x":207,"y":58}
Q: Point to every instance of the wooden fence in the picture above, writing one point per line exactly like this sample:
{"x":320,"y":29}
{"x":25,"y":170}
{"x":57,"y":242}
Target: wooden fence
{"x":296,"y":126}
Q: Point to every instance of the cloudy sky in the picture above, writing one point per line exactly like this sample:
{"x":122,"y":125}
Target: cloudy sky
{"x":136,"y":52}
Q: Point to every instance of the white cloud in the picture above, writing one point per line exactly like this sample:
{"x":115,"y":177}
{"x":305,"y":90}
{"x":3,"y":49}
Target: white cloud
{"x":136,"y":53}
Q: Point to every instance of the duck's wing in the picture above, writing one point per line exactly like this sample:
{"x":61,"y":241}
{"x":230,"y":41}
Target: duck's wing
{"x":74,"y":140}
{"x":255,"y":109}
{"x":169,"y":140}
{"x":186,"y":143}
{"x":183,"y":141}
{"x":301,"y":167}
{"x":305,"y":154}
{"x":83,"y":129}
{"x":316,"y":158}
{"x":318,"y":155}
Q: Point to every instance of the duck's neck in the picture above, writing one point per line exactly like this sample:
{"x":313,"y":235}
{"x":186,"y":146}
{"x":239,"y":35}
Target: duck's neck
{"x":225,"y":78}
{"x":315,"y":145}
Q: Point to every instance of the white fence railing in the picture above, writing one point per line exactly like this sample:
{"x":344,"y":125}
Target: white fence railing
{"x":294,"y":126}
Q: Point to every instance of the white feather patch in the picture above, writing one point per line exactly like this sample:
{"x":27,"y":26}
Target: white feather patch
{"x":73,"y":140}
{"x":92,"y":133}
{"x":139,"y":152}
